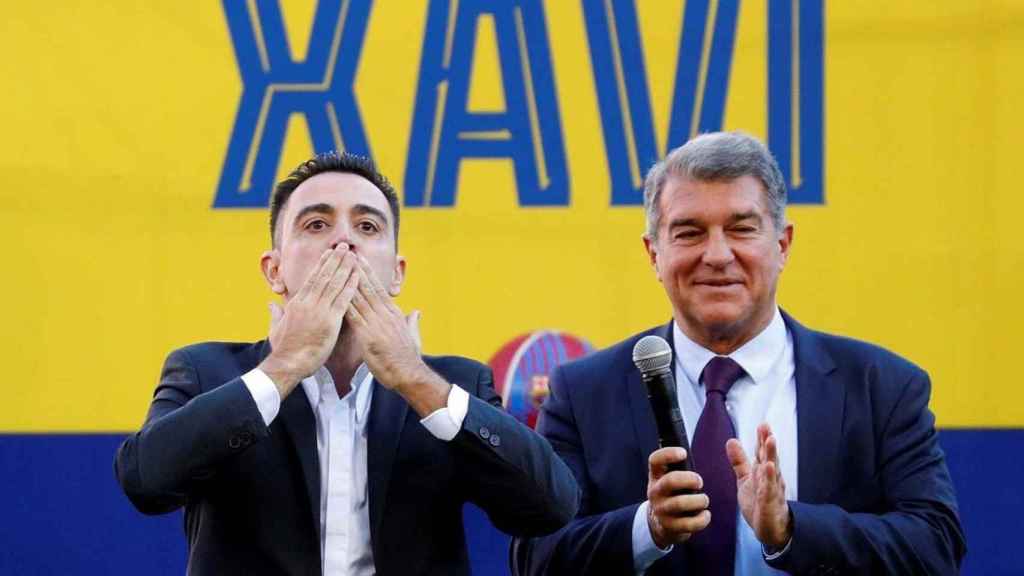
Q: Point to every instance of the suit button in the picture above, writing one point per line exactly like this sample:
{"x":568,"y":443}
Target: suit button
{"x":495,"y":440}
{"x":485,"y":433}
{"x":235,"y":442}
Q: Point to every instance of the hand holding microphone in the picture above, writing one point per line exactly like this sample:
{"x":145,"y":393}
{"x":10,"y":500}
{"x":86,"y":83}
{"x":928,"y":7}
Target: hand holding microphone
{"x":677,"y":509}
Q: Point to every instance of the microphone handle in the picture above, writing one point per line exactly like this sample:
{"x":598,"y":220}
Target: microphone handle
{"x":661,"y":392}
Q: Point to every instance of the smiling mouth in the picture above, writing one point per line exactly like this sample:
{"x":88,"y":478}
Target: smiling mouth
{"x":719,"y":283}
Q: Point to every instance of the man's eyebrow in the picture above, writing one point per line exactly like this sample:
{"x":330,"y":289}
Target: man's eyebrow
{"x":680,"y":222}
{"x":320,"y":208}
{"x":735,"y":217}
{"x":364,"y":209}
{"x":741,"y":216}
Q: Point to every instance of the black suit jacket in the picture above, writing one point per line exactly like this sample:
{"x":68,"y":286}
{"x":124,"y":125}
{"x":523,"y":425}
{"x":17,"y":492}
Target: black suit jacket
{"x":252,"y":493}
{"x":875,"y":496}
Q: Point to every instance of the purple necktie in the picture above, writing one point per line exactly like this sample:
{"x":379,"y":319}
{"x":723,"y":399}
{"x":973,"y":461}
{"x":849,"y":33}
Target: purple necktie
{"x":713,"y":550}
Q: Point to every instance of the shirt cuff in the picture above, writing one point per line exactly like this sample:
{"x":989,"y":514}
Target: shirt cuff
{"x":445,"y":423}
{"x":645,"y":551}
{"x":264,"y":393}
{"x":774,"y":555}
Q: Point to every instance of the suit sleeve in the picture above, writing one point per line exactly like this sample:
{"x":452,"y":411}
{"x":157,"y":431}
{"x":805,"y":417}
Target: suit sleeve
{"x":595,"y":542}
{"x":509,"y":470}
{"x":185,"y":436}
{"x":919,"y":532}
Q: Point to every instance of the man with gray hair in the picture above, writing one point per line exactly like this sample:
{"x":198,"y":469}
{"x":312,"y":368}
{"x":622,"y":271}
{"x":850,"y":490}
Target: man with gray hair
{"x":811,"y":453}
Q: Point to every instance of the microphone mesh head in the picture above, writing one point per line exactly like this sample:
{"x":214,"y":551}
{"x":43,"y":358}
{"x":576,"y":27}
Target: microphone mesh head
{"x":652,"y":353}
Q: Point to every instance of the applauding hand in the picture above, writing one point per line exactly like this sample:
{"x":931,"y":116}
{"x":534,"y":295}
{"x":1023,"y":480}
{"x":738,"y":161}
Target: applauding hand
{"x":761,"y":491}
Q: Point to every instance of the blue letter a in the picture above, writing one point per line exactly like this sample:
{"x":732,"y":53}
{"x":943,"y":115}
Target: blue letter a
{"x":444,"y":131}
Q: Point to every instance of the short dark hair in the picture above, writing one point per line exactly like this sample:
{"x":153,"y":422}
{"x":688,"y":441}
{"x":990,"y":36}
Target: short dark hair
{"x":344,"y":162}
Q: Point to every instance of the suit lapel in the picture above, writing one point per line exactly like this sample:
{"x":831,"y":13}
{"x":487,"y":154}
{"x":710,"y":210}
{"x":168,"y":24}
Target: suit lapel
{"x":640,"y":406}
{"x":643,"y":417}
{"x":388,"y":412}
{"x":300,"y":423}
{"x":820,"y":403}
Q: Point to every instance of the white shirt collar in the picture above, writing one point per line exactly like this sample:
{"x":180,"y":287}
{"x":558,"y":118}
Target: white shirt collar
{"x":320,"y":387}
{"x":756,"y":357}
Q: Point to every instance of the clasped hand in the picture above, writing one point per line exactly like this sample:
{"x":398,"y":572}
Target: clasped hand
{"x":343,"y":288}
{"x":676,"y":507}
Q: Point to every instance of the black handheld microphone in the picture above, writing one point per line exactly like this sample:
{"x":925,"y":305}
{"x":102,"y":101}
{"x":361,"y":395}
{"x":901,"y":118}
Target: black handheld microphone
{"x":653,"y":357}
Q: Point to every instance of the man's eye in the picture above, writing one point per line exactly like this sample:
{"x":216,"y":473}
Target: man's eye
{"x":316,"y":225}
{"x":687,"y":234}
{"x":368,"y":227}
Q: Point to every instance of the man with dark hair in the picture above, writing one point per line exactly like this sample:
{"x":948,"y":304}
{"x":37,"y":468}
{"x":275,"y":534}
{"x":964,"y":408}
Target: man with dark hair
{"x":332,"y":162}
{"x":364,"y":469}
{"x":812,"y":453}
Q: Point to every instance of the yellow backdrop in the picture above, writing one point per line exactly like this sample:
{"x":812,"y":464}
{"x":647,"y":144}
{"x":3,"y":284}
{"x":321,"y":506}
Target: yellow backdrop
{"x":117,"y":118}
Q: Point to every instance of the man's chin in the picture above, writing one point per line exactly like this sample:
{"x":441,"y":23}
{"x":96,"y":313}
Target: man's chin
{"x":721,"y":319}
{"x":721,"y":313}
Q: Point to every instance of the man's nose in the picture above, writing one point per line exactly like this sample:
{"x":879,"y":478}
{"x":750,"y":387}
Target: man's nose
{"x":342,"y":236}
{"x":717,"y":251}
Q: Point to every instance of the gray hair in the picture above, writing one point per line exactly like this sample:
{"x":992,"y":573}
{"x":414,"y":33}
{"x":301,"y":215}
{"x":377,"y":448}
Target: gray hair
{"x":718,"y":156}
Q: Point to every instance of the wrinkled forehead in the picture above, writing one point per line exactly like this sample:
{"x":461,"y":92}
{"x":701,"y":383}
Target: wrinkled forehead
{"x":687,"y":196}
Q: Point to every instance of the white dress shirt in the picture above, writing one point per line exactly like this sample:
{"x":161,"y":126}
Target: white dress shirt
{"x":345,"y":546}
{"x":766,"y":393}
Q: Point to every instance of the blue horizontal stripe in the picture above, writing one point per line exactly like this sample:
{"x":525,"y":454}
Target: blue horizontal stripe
{"x":63,"y":512}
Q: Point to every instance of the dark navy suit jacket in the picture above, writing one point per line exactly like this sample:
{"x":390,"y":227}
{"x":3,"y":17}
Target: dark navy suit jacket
{"x":874,"y":494}
{"x":252,"y":493}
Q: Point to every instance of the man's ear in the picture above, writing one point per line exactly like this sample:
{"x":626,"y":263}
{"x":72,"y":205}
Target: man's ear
{"x":397,"y":277}
{"x":651,"y":247}
{"x":270,"y":264}
{"x":785,"y":243}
